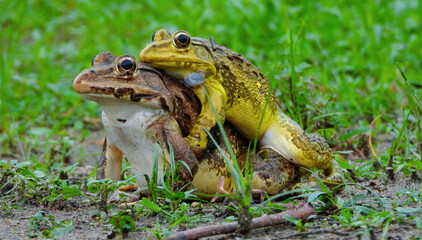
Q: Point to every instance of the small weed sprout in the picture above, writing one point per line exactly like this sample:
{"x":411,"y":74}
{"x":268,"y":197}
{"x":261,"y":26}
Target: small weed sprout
{"x":102,"y":190}
{"x":47,"y":226}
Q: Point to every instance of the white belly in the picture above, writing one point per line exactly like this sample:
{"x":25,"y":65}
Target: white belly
{"x":127,"y":129}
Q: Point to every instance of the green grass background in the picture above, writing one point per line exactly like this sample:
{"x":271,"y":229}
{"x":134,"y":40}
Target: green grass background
{"x":345,"y":56}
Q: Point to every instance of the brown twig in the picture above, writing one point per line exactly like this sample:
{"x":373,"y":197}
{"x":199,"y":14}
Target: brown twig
{"x":259,"y":222}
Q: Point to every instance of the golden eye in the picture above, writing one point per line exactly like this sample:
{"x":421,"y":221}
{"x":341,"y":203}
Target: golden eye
{"x":126,"y":65}
{"x":181,"y":39}
{"x":161,"y":34}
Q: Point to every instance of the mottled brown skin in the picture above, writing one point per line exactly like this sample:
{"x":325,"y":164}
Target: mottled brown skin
{"x":178,"y":109}
{"x":144,"y":86}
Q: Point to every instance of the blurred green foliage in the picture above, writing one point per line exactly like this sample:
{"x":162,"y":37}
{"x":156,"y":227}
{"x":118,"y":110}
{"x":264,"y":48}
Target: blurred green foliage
{"x":345,"y":52}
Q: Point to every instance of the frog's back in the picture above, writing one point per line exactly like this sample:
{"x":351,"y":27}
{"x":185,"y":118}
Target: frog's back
{"x":246,"y":87}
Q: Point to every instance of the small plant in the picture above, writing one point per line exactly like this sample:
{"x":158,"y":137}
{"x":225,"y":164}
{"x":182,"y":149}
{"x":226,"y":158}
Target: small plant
{"x":47,"y":226}
{"x":298,"y":223}
{"x":158,"y":232}
{"x":103,"y":188}
{"x":7,"y":208}
{"x":122,"y":222}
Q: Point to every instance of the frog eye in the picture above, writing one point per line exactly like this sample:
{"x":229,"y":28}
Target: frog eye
{"x":126,"y":65}
{"x":161,"y":34}
{"x":181,"y":39}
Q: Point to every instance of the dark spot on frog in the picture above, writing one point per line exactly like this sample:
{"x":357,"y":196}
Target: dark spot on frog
{"x":123,"y":91}
{"x":263,"y":174}
{"x":93,"y":72}
{"x":227,"y":73}
{"x":215,"y":133}
{"x":238,"y":58}
{"x":121,"y":120}
{"x":219,"y":50}
{"x":185,"y":124}
{"x":163,"y":104}
{"x":187,"y":96}
{"x":179,"y":101}
{"x":261,"y":75}
{"x":138,"y":97}
{"x":103,"y":89}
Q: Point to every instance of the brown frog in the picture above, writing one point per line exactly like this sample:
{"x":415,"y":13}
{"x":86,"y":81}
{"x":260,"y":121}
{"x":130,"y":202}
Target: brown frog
{"x":142,"y":106}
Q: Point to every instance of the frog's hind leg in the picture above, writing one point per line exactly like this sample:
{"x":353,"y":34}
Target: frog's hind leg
{"x":272,"y":172}
{"x":308,"y":150}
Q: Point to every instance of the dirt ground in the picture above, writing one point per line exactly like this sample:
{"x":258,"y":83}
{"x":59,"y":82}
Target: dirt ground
{"x":319,"y":226}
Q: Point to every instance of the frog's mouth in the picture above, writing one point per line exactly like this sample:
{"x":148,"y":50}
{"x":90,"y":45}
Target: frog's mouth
{"x":166,"y":64}
{"x":91,"y":88}
{"x":162,"y":59}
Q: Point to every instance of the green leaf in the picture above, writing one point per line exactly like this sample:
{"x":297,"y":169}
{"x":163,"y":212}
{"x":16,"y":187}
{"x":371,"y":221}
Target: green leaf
{"x":39,"y":174}
{"x":66,"y":228}
{"x":343,"y":164}
{"x":314,"y":196}
{"x":327,"y":133}
{"x":21,"y":164}
{"x":40,"y":131}
{"x":417,"y":163}
{"x":150,"y":205}
{"x":408,"y":210}
{"x":353,"y":133}
{"x":291,"y":219}
{"x":178,"y":221}
{"x":93,"y":188}
{"x":70,"y":192}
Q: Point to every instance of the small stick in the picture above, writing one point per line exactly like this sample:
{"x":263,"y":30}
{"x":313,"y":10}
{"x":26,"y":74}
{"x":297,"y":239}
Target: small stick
{"x":258,"y":222}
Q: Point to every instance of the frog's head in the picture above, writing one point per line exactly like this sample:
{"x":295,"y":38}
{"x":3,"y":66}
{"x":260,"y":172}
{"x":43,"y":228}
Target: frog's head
{"x":123,"y":79}
{"x":178,"y":54}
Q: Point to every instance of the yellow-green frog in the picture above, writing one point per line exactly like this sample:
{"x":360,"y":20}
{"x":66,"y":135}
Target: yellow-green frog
{"x":140,"y":106}
{"x":240,"y":93}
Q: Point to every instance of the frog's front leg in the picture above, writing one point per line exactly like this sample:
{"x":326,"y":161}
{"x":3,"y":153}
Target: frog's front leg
{"x":198,"y":138}
{"x":110,"y":165}
{"x":167,"y":131}
{"x":306,"y":150}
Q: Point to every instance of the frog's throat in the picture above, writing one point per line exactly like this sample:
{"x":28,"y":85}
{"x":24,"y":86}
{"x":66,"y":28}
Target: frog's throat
{"x":127,"y":127}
